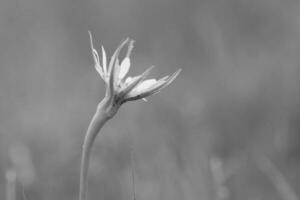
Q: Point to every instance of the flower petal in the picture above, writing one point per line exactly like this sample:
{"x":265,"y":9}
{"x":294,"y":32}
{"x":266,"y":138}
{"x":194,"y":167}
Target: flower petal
{"x":164,"y":78}
{"x":138,"y":92}
{"x":137,"y":81}
{"x":128,"y":80}
{"x":160,"y":84}
{"x":124,"y":68}
{"x":129,"y":49}
{"x":144,"y":85}
{"x":116,"y":54}
{"x":117,"y":71}
{"x":125,"y":65}
{"x":96,"y":57}
{"x":99,"y":70}
{"x":95,"y":53}
{"x":104,"y":60}
{"x":171,"y":78}
{"x":112,"y":65}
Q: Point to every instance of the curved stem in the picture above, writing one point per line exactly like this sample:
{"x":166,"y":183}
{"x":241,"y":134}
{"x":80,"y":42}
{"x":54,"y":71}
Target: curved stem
{"x":96,"y":124}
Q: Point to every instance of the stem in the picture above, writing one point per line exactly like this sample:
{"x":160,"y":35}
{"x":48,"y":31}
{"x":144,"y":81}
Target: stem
{"x":132,"y":173}
{"x":11,"y":178}
{"x":96,"y":124}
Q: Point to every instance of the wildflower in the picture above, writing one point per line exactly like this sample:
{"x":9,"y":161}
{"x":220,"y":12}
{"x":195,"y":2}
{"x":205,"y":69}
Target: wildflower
{"x":122,"y":88}
{"x":119,"y":89}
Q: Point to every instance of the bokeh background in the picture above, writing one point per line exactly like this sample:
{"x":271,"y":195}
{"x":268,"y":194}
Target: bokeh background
{"x":227,"y":128}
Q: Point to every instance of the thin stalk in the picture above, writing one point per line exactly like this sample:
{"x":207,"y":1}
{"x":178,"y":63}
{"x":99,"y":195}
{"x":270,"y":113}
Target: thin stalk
{"x":280,"y":182}
{"x":132,"y":173}
{"x":96,"y":124}
{"x":11,"y":179}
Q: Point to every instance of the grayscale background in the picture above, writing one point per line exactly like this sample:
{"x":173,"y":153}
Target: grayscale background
{"x":226,"y":129}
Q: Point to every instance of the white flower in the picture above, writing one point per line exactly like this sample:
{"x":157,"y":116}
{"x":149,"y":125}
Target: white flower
{"x":123,"y":89}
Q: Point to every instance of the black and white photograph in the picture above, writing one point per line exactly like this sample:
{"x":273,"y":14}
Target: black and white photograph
{"x":149,"y":100}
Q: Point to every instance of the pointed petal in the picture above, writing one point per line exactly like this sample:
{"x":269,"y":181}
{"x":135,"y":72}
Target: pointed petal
{"x":111,"y":80}
{"x":164,"y":84}
{"x":164,"y":78}
{"x":96,"y":57}
{"x":97,"y":64}
{"x":99,"y":70}
{"x":94,"y":52}
{"x":144,"y":85}
{"x":117,"y":71}
{"x":124,"y":68}
{"x":128,"y":80}
{"x":112,"y":65}
{"x":129,"y":49}
{"x":125,"y":65}
{"x":172,"y":78}
{"x":116,"y":54}
{"x":104,"y":60}
{"x":137,"y":92}
{"x":138,"y":80}
{"x":154,"y":89}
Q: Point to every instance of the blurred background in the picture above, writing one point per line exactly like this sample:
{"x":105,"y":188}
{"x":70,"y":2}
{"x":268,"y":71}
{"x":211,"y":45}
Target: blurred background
{"x":226,"y":128}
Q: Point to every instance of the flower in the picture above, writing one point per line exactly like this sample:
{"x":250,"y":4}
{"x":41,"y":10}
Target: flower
{"x":121,"y":88}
